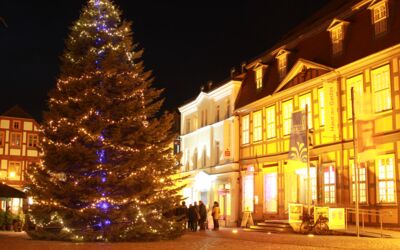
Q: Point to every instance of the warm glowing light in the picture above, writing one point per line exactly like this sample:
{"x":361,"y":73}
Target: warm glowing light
{"x":235,"y":231}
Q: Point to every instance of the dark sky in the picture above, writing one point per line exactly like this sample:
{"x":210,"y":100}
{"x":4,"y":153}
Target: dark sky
{"x":187,"y":43}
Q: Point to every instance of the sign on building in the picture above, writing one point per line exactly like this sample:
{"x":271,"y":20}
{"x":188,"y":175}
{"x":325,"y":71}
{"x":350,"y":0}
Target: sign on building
{"x":331,"y":109}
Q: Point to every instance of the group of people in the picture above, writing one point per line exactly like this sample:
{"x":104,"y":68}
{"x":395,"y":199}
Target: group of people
{"x":196,"y":216}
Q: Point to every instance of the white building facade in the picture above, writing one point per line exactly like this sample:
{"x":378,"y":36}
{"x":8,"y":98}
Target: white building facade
{"x":209,"y":145}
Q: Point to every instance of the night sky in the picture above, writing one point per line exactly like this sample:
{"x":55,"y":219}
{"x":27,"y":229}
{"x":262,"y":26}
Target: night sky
{"x":187,"y":43}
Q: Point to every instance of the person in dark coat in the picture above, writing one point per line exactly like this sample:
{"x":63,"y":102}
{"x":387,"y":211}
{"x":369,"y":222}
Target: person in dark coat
{"x":193,"y":217}
{"x":182,"y":214}
{"x":203,"y":215}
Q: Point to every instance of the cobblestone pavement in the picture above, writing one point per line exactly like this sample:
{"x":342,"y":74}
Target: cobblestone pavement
{"x":223,"y":239}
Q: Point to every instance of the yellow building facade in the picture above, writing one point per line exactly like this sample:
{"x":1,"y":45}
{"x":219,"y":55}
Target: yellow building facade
{"x":269,"y":183}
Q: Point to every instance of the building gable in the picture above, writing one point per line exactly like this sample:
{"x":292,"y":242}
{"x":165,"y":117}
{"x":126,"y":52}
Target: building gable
{"x":303,"y":70}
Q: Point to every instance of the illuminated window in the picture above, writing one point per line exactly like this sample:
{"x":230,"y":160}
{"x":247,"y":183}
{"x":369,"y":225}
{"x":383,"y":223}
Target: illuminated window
{"x":386,"y":188}
{"x":16,"y":125}
{"x":282,"y":65}
{"x":14,"y":170}
{"x":15,"y":140}
{"x":306,"y":100}
{"x":1,"y":138}
{"x":329,"y":184}
{"x":257,"y":126}
{"x":271,"y":126}
{"x":245,"y":129}
{"x":337,"y":39}
{"x":355,"y":82}
{"x":259,"y":77}
{"x":248,"y":192}
{"x":32,"y":140}
{"x":362,"y":178}
{"x":321,"y":102}
{"x":380,"y":16}
{"x":271,"y":192}
{"x":382,"y":98}
{"x":287,"y":110}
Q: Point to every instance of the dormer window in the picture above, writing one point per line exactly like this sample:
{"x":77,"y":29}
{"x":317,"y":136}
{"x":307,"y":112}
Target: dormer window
{"x":282,"y":63}
{"x":337,"y":31}
{"x":379,"y":15}
{"x":259,"y":77}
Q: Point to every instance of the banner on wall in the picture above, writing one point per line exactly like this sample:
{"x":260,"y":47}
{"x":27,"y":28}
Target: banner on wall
{"x":331,"y":109}
{"x":298,"y":139}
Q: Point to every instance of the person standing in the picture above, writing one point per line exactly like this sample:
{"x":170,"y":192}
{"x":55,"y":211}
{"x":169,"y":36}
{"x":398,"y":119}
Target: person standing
{"x":203,"y":215}
{"x":182,"y":214}
{"x":193,"y":218}
{"x":215,"y":214}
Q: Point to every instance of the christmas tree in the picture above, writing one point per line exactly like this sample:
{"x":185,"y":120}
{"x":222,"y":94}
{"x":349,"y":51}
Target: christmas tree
{"x":107,"y":166}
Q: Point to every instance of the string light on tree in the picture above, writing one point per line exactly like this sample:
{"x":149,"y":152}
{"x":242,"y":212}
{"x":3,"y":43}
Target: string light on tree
{"x":105,"y":173}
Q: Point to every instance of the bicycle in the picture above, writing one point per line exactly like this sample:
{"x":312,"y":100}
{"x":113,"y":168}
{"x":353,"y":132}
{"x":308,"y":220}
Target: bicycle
{"x":319,"y":227}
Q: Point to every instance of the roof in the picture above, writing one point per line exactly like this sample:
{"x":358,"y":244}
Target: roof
{"x":10,"y":192}
{"x":311,"y":42}
{"x":17,"y":111}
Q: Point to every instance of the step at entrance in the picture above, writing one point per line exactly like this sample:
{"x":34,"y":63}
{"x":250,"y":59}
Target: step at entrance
{"x":272,"y":226}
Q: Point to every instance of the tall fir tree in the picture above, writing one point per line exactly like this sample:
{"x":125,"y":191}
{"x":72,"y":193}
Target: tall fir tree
{"x":107,"y":167}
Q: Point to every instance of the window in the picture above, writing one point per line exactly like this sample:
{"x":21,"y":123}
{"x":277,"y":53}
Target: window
{"x":380,"y":16}
{"x":385,"y":168}
{"x":271,"y":127}
{"x":1,"y":138}
{"x":245,"y":129}
{"x":257,"y":126}
{"x":217,"y":153}
{"x":15,"y":140}
{"x":248,"y":192}
{"x":16,"y":124}
{"x":217,"y":113}
{"x":337,"y":39}
{"x":287,"y":110}
{"x":362,"y":178}
{"x":321,"y":101}
{"x":329,"y":184}
{"x":204,"y":118}
{"x":32,"y":140}
{"x":306,"y":100}
{"x":195,"y":158}
{"x":282,"y":63}
{"x":382,"y":98}
{"x":187,"y":125}
{"x":259,"y":77}
{"x":14,"y":170}
{"x":204,"y":156}
{"x":187,"y":160}
{"x":355,"y":82}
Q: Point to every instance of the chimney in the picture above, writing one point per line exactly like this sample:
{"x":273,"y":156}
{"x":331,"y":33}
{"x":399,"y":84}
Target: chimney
{"x":243,"y":67}
{"x":209,"y":84}
{"x":233,"y":72}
